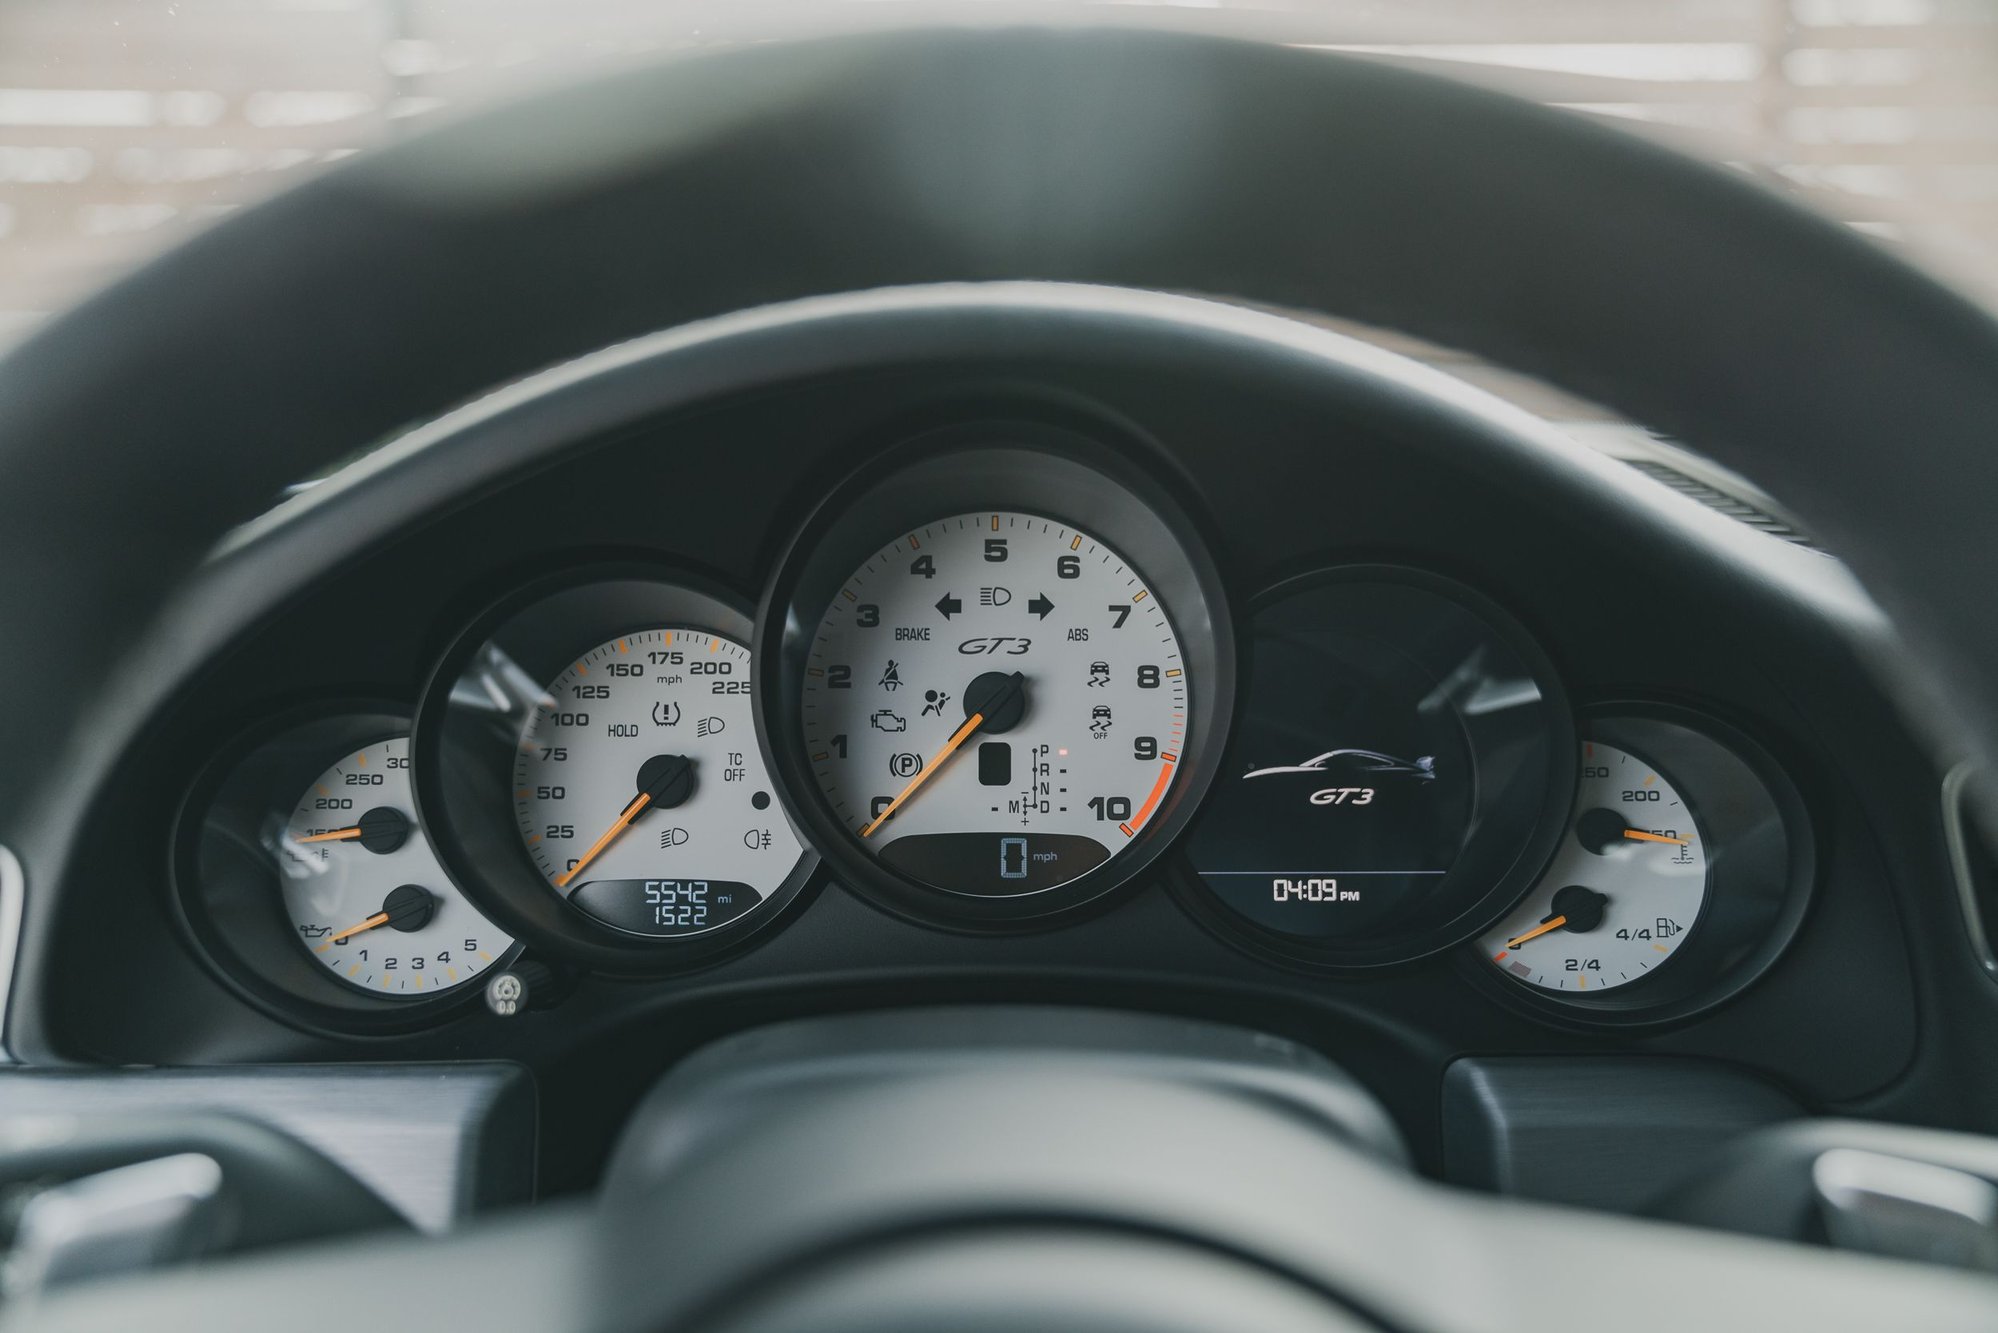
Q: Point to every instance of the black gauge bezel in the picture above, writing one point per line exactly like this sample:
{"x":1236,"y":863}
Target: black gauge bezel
{"x":1717,"y":961}
{"x":254,"y":953}
{"x":565,"y":613}
{"x":1516,"y":872}
{"x":1087,"y":476}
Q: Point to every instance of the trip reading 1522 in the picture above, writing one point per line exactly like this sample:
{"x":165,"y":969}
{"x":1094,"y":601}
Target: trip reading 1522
{"x":681,"y":903}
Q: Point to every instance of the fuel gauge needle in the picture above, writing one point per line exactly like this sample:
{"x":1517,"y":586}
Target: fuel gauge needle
{"x":1551,"y":923}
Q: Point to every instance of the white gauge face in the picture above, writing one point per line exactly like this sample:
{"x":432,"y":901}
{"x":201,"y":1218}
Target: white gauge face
{"x":364,"y":890}
{"x":1624,"y":889}
{"x":640,"y":791}
{"x":995,"y":704}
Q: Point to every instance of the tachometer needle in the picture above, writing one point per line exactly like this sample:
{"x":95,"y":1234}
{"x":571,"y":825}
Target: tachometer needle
{"x":1639,"y":835}
{"x":957,"y":738}
{"x":995,"y":697}
{"x":1551,"y":923}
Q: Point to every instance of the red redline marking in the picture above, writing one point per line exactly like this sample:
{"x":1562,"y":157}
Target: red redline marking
{"x":1151,"y":802}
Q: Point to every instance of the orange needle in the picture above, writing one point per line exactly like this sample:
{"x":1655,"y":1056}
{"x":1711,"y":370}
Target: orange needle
{"x":638,"y":803}
{"x":1639,"y":835}
{"x":335,"y":835}
{"x":378,"y":919}
{"x":1553,"y":923}
{"x":957,"y":738}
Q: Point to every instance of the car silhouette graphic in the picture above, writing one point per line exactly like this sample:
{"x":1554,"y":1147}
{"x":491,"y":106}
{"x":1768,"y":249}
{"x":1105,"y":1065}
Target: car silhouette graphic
{"x":1364,"y":761}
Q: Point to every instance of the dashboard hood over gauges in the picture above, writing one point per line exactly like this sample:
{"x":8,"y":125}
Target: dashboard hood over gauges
{"x":482,"y":250}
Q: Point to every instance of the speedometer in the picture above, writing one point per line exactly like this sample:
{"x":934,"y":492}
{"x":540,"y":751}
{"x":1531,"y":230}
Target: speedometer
{"x":641,"y":794}
{"x":990,"y":707}
{"x":587,"y":754}
{"x":995,"y":703}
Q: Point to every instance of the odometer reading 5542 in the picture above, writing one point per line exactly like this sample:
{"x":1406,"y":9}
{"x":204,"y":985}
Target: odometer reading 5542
{"x":995,"y":704}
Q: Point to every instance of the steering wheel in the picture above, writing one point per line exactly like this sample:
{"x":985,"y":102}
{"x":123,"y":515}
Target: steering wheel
{"x":140,"y":428}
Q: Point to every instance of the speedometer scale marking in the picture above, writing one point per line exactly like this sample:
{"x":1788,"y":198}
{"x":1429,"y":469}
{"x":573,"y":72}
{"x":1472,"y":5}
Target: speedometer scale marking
{"x":995,"y":704}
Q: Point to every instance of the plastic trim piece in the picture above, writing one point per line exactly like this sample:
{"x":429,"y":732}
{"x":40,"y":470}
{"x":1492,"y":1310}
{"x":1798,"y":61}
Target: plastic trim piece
{"x":13,"y":899}
{"x":1956,"y":836}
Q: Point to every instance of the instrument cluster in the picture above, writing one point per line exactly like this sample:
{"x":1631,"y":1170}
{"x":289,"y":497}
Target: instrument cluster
{"x":993,"y":680}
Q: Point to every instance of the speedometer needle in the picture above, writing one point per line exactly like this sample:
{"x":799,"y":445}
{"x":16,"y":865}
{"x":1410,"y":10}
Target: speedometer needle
{"x":1551,"y":923}
{"x":664,"y":780}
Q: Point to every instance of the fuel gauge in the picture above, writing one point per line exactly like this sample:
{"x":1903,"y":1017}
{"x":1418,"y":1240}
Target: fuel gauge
{"x":1680,"y":876}
{"x":1623,"y":892}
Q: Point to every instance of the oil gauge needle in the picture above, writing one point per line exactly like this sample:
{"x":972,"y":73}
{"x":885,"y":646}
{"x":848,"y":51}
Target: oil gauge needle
{"x":378,"y":919}
{"x":1551,"y":923}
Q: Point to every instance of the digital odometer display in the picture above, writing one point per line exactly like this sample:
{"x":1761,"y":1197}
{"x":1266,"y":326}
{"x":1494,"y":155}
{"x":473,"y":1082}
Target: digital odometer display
{"x":1392,"y":772}
{"x":995,"y":704}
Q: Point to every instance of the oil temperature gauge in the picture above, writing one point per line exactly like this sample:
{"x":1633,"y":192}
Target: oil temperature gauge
{"x":363,"y":888}
{"x":1624,"y":890}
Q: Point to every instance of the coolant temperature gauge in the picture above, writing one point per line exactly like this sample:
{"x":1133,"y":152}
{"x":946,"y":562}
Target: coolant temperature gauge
{"x":1624,"y":890}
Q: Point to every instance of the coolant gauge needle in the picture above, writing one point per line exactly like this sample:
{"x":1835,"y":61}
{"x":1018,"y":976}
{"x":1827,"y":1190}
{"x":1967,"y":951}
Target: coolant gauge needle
{"x":1551,"y":923}
{"x":664,"y":780}
{"x":1639,"y":835}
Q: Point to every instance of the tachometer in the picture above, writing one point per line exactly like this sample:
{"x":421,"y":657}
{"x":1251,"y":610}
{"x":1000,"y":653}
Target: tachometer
{"x":991,"y":708}
{"x":995,"y":703}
